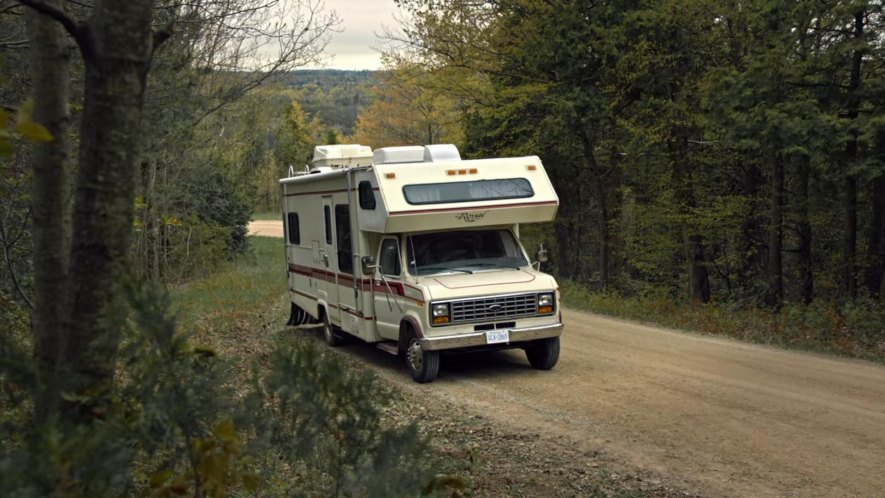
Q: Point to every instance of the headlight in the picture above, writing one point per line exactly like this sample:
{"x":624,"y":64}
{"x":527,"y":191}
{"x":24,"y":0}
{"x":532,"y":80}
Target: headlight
{"x":439,"y":313}
{"x":546,"y":303}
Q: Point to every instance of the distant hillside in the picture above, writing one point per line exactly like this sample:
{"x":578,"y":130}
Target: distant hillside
{"x":334,"y":95}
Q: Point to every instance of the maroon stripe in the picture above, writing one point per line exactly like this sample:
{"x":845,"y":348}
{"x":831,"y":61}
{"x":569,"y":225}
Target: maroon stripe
{"x":396,"y":288}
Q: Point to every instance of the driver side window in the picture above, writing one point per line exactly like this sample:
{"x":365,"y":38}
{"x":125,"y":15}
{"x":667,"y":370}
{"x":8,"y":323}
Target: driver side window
{"x":389,"y":258}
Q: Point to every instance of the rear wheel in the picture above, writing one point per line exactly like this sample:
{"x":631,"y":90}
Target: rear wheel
{"x":543,"y":353}
{"x":423,"y":365}
{"x":296,"y":315}
{"x":330,"y":335}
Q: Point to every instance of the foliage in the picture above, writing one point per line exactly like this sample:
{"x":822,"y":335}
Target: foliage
{"x":406,"y":110}
{"x":711,"y":149}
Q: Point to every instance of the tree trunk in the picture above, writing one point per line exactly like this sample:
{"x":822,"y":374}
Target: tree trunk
{"x":876,"y":244}
{"x":699,"y":277}
{"x":50,"y":197}
{"x":693,"y":243}
{"x":117,"y":48}
{"x":849,"y":239}
{"x":601,"y":193}
{"x":775,"y":293}
{"x":803,"y":228}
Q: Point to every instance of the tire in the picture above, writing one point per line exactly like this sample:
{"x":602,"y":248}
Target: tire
{"x":296,"y":315}
{"x":330,"y":335}
{"x":543,"y":353}
{"x":423,"y":365}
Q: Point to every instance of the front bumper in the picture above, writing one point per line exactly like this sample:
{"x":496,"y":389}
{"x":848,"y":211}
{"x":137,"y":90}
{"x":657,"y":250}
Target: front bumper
{"x":474,"y":339}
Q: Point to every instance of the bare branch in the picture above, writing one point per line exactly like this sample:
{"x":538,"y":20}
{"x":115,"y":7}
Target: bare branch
{"x":17,"y":44}
{"x":8,"y":259}
{"x":75,"y":29}
{"x":8,"y":7}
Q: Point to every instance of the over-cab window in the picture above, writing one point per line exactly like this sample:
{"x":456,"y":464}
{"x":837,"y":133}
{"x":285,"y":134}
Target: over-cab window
{"x":389,"y":257}
{"x":477,"y":190}
{"x":367,"y":195}
{"x":294,"y":228}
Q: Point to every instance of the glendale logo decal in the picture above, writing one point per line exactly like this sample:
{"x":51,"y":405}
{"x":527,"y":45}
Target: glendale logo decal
{"x":470,"y":217}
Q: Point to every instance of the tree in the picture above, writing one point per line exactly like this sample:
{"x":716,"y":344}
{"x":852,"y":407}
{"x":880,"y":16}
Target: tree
{"x":408,"y":111}
{"x":76,"y":321}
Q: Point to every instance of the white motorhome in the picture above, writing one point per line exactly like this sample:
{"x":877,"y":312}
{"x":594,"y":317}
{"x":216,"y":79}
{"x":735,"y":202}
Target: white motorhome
{"x":418,"y":251}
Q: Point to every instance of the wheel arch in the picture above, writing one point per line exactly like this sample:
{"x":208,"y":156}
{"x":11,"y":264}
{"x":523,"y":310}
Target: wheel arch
{"x":408,"y":325}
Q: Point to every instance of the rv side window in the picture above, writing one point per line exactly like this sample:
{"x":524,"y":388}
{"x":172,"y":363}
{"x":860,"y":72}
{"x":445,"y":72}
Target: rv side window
{"x":389,"y":259}
{"x":294,"y":228}
{"x":328,"y":221}
{"x":342,"y":232}
{"x":367,"y":195}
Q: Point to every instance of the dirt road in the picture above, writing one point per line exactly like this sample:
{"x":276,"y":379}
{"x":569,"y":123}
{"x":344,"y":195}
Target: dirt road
{"x":717,"y":416}
{"x":268,"y":228}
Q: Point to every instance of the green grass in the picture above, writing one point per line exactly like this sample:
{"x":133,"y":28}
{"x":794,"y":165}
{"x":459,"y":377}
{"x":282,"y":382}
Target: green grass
{"x":855,"y":330}
{"x":271,"y":216}
{"x":237,"y":309}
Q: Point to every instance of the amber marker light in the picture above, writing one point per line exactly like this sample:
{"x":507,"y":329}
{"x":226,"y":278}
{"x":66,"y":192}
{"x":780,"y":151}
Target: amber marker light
{"x":532,"y":167}
{"x":462,"y":171}
{"x":390,"y":176}
{"x":545,"y":304}
{"x":451,"y":172}
{"x":473,"y":171}
{"x":441,"y":319}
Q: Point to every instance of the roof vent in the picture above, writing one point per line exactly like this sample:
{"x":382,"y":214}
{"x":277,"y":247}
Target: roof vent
{"x":394,"y":155}
{"x":441,"y":152}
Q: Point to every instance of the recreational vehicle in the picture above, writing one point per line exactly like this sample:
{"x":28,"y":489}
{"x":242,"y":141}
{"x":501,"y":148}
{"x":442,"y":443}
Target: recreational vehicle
{"x":418,"y":251}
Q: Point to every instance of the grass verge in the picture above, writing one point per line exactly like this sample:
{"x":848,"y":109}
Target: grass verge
{"x":239,"y":312}
{"x":855,"y":330}
{"x":271,"y":216}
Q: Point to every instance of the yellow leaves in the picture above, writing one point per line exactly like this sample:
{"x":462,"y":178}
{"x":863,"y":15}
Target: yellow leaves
{"x":171,"y":221}
{"x":34,"y":132}
{"x":25,"y":128}
{"x":28,"y":128}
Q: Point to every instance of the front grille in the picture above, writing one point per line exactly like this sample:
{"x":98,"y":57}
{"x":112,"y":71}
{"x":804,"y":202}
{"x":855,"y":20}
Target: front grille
{"x":494,"y":308}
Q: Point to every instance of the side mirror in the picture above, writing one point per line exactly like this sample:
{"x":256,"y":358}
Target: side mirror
{"x":368,"y":264}
{"x":542,"y":254}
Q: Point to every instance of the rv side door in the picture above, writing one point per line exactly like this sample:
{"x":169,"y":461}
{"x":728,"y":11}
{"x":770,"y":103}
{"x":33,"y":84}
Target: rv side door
{"x":388,"y":289}
{"x":328,"y":283}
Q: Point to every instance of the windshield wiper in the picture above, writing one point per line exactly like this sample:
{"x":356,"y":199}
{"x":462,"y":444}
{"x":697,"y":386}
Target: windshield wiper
{"x":496,"y":265}
{"x":444,"y":269}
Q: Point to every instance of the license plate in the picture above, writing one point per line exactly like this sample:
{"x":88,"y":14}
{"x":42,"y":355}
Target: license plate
{"x":497,"y":336}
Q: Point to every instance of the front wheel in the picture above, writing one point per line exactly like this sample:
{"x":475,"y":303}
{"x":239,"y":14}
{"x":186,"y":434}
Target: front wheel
{"x":423,"y":365}
{"x":543,"y":353}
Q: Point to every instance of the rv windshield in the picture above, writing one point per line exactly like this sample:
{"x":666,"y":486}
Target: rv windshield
{"x":463,"y":251}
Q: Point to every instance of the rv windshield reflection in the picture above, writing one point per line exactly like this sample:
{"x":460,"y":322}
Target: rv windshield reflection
{"x":463,"y":251}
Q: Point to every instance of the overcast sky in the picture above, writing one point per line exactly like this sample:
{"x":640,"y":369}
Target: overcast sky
{"x":360,"y":21}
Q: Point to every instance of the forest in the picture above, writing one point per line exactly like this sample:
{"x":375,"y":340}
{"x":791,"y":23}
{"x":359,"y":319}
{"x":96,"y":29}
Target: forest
{"x":720,"y":166}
